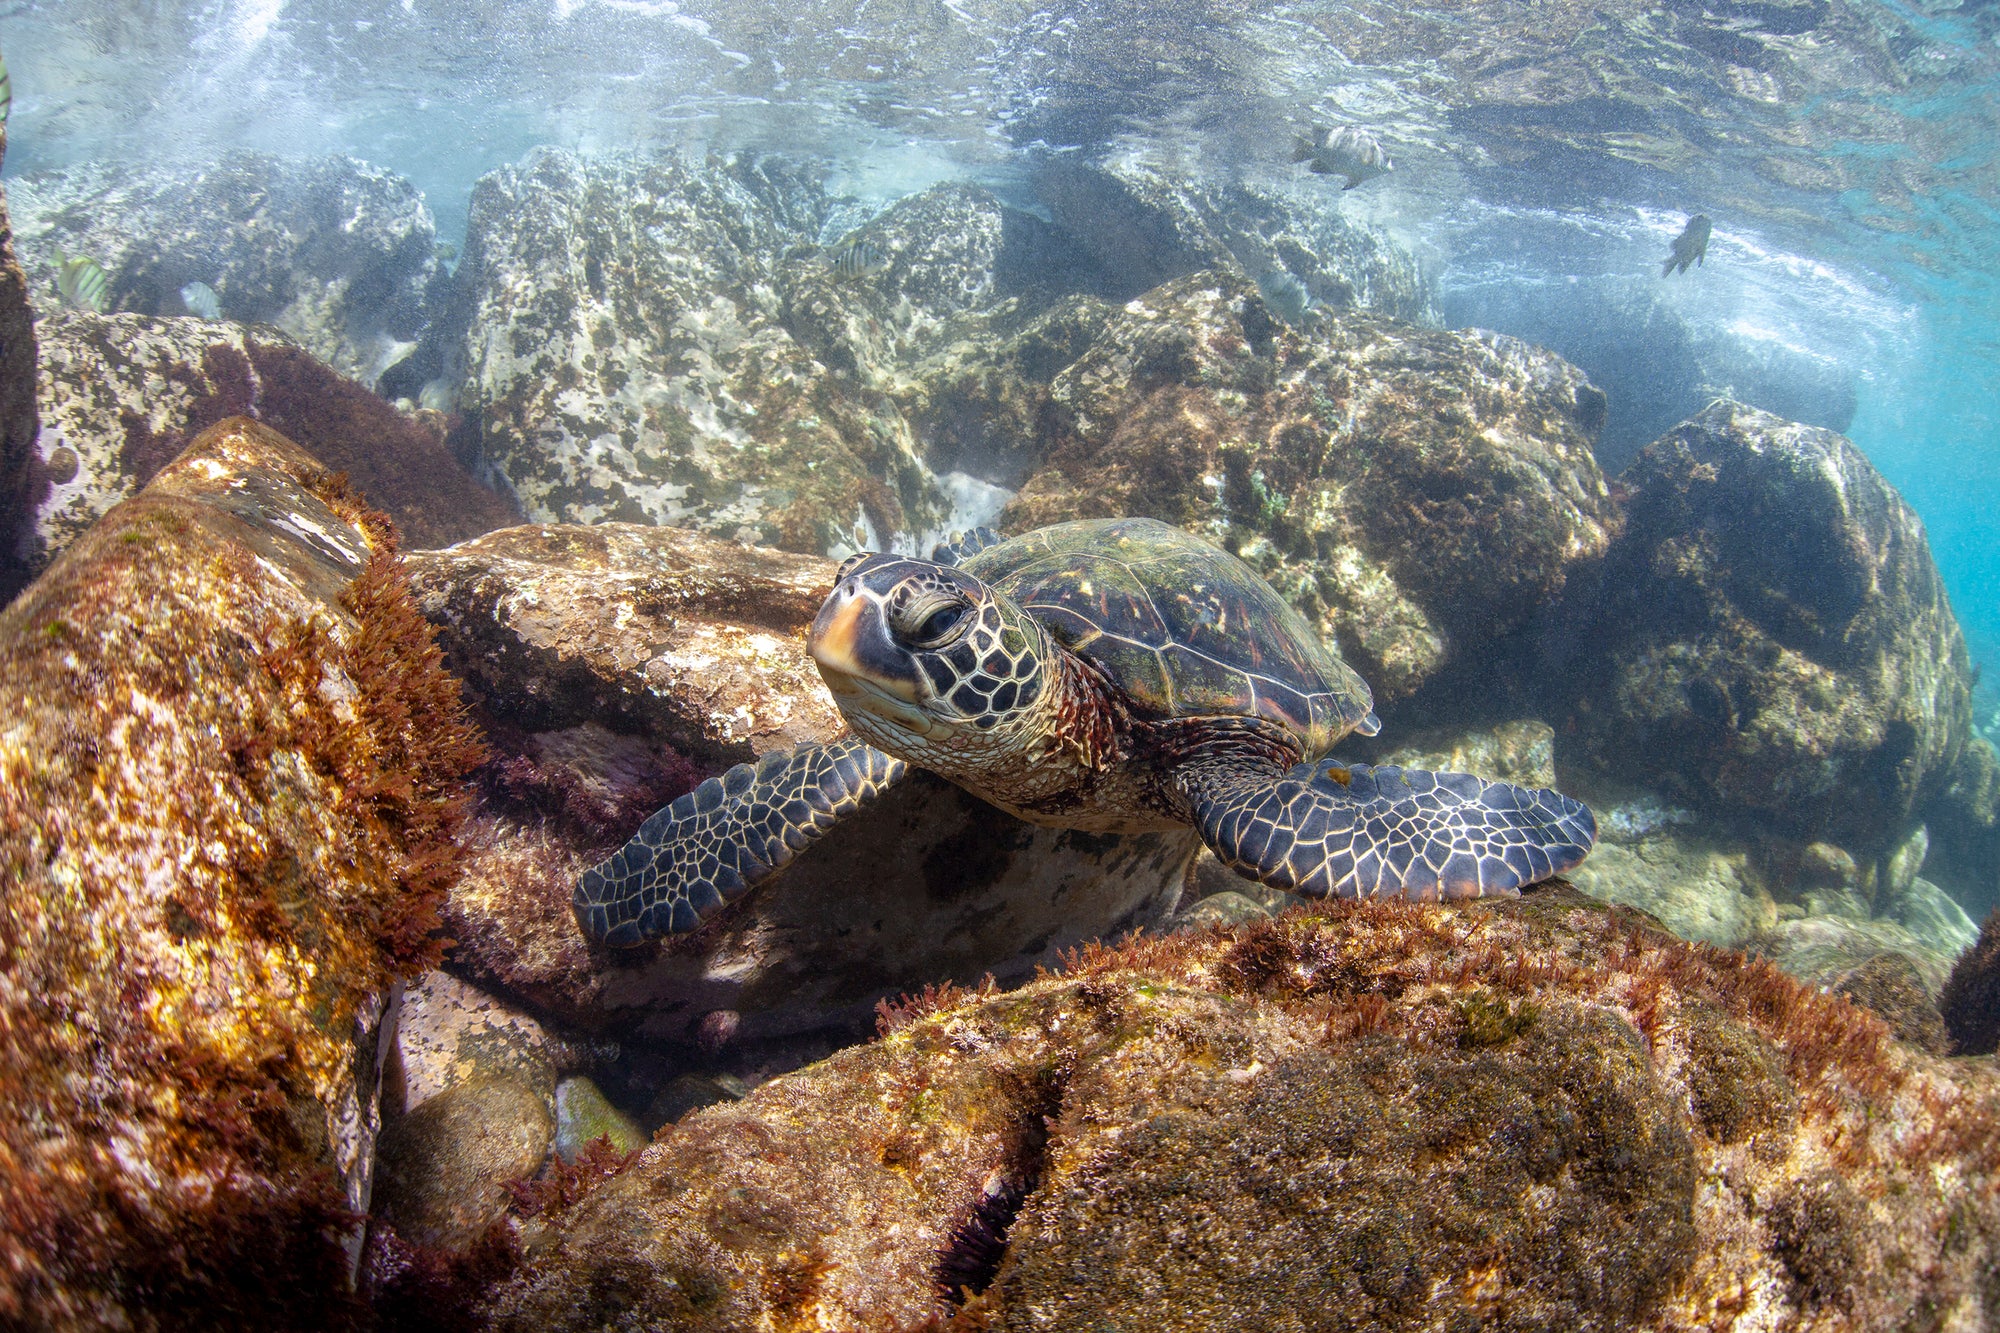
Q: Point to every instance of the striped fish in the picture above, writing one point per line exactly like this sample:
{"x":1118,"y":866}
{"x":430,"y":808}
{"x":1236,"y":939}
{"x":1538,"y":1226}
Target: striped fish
{"x":200,"y":299}
{"x":82,"y":282}
{"x":854,"y":258}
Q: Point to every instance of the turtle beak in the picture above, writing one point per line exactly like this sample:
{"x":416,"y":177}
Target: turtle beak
{"x":858,"y":658}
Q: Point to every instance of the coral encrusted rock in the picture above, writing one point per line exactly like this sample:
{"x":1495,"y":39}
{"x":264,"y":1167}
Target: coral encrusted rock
{"x":626,"y":357}
{"x":1533,"y":1114}
{"x":1416,"y":494}
{"x":614,"y":666}
{"x":123,"y":394}
{"x":1971,"y":1002}
{"x":231,"y":775}
{"x":1772,"y":638}
{"x":337,"y":253}
{"x":21,"y":480}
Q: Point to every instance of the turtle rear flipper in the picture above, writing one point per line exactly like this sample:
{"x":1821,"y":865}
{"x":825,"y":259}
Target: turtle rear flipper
{"x":1353,"y":831}
{"x":726,"y":837}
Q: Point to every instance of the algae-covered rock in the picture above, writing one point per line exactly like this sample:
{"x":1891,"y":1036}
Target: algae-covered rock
{"x":1818,"y":682}
{"x":446,"y":1165}
{"x":584,"y":1114}
{"x":1970,"y":1004}
{"x":1417,"y":494}
{"x":627,"y":358}
{"x":1536,"y":1114}
{"x":616,"y":666}
{"x":21,"y":480}
{"x":124,"y":394}
{"x":231,"y":773}
{"x":335,"y":252}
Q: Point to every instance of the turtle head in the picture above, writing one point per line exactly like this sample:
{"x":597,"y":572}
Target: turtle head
{"x":928,"y":662}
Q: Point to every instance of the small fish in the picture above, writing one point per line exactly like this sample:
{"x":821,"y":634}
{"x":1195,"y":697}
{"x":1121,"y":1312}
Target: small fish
{"x":6,"y":92}
{"x":445,"y":251}
{"x":81,"y":281}
{"x":1355,"y":154}
{"x":200,"y":299}
{"x":854,"y":258}
{"x":438,"y":395}
{"x":1285,"y":295}
{"x":1690,"y":247}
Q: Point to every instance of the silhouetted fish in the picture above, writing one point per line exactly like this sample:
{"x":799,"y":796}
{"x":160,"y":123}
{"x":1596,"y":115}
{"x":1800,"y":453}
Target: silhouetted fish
{"x":1690,"y":247}
{"x":1285,"y":295}
{"x":200,"y":299}
{"x":854,"y":258}
{"x":6,"y":92}
{"x":81,"y":281}
{"x":1355,"y":154}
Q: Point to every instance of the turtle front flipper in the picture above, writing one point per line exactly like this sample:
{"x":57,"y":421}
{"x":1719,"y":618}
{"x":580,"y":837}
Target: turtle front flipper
{"x":1352,"y":831}
{"x":726,"y":837}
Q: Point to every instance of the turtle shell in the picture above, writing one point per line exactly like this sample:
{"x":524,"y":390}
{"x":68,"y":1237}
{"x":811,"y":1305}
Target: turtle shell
{"x":1186,"y":628}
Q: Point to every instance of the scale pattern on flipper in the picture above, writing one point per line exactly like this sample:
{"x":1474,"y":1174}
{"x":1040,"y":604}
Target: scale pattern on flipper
{"x":1329,"y":829}
{"x":727,"y":836}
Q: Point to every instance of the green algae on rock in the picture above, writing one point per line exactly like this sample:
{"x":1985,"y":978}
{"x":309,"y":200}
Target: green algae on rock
{"x":231,"y":772}
{"x":1416,"y":494}
{"x":1538,"y":1113}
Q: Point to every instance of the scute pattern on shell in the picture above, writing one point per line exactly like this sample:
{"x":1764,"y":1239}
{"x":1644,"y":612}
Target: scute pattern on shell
{"x":1185,"y":628}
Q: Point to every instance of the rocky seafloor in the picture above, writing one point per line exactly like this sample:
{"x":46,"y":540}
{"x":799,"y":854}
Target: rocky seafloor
{"x":352,"y":625}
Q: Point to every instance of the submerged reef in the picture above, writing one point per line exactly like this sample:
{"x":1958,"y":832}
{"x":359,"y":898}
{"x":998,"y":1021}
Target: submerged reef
{"x":1770,"y":636}
{"x":335,"y":252}
{"x":125,"y":394}
{"x":1538,"y":1113}
{"x":21,"y":481}
{"x":231,"y":780}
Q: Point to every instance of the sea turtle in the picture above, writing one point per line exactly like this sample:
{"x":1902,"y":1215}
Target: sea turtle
{"x":1113,"y":675}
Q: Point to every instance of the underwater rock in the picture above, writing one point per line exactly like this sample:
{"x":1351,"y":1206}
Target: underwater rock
{"x":231,"y":779}
{"x":334,"y":251}
{"x":123,"y":394}
{"x":448,"y":1032}
{"x":1964,"y":825}
{"x":1893,"y":986}
{"x":1144,"y":223}
{"x":1416,"y":494}
{"x":1970,"y":1003}
{"x":443,"y":1170}
{"x":583,"y":1113}
{"x":1521,"y":752}
{"x":615,"y":666}
{"x":1699,"y":886}
{"x":22,"y":477}
{"x":627,"y":359}
{"x":1818,"y":682}
{"x":1533,"y":1110}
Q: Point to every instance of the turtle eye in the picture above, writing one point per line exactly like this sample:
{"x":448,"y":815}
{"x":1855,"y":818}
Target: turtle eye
{"x":931,"y":625}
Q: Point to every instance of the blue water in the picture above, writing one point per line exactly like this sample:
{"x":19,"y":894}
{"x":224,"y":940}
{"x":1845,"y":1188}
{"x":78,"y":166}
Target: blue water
{"x":1850,"y":280}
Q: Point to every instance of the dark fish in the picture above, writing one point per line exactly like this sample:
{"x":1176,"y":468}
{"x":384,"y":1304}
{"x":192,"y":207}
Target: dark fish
{"x":445,"y":252}
{"x":82,"y":282}
{"x":200,"y":299}
{"x":854,"y":258}
{"x":1286,"y":296}
{"x":1355,"y":154}
{"x":6,"y":92}
{"x":1690,"y":247}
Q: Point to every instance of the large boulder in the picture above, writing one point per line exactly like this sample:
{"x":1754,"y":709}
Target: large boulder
{"x":21,"y":483}
{"x":627,"y":358}
{"x":1535,"y":1113}
{"x":231,"y":775}
{"x":1145,"y":222}
{"x":617,"y":665}
{"x":337,"y":253}
{"x":1417,"y":494}
{"x":1771,"y":638}
{"x":124,"y":394}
